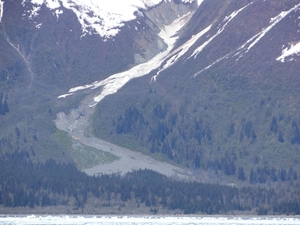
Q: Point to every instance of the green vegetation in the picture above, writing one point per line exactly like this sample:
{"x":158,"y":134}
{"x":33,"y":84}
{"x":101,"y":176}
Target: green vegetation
{"x":87,"y":157}
{"x":24,"y":184}
{"x":63,"y":138}
{"x":84,"y":156}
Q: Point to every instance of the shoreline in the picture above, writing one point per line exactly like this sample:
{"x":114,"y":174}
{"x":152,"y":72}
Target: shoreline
{"x":59,"y":211}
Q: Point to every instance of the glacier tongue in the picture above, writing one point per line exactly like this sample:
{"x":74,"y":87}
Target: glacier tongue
{"x":114,"y":82}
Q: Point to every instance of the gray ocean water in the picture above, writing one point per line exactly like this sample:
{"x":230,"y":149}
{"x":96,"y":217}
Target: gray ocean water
{"x":143,"y":220}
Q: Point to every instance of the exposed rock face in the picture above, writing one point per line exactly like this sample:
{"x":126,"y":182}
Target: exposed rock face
{"x":156,"y":19}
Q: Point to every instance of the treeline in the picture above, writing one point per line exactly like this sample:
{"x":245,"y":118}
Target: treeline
{"x":24,"y":184}
{"x":264,"y":174}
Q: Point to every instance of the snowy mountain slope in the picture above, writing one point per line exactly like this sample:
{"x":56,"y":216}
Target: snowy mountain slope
{"x":246,"y":47}
{"x":97,"y":17}
{"x":204,"y":84}
{"x":171,"y":56}
{"x":113,"y":83}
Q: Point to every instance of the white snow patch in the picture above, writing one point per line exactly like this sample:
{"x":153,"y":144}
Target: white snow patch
{"x":38,"y":25}
{"x":1,"y":10}
{"x":52,"y":4}
{"x":256,"y":38}
{"x":199,"y":2}
{"x":79,"y":88}
{"x":34,"y":12}
{"x":226,"y":20}
{"x":293,"y":50}
{"x":64,"y":96}
{"x":215,"y":62}
{"x":58,"y":12}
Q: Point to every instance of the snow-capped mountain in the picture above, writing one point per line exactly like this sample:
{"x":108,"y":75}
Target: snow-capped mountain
{"x":170,"y":55}
{"x":207,"y":84}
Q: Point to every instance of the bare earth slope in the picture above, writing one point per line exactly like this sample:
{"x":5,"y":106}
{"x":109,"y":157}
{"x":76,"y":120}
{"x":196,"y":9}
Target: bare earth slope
{"x":77,"y":123}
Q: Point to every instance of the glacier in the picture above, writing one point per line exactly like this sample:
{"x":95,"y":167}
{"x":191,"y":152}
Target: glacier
{"x":116,"y":81}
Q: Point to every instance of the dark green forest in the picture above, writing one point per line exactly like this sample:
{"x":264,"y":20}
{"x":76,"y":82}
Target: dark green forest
{"x":244,"y":140}
{"x":25,"y":184}
{"x":3,"y":105}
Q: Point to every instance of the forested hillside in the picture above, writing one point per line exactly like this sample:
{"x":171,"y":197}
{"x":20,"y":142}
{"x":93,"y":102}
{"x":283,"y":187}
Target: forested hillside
{"x":221,"y":131}
{"x":205,"y":91}
{"x":227,"y":105}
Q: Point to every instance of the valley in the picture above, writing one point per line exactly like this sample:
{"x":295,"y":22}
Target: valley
{"x":77,"y":122}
